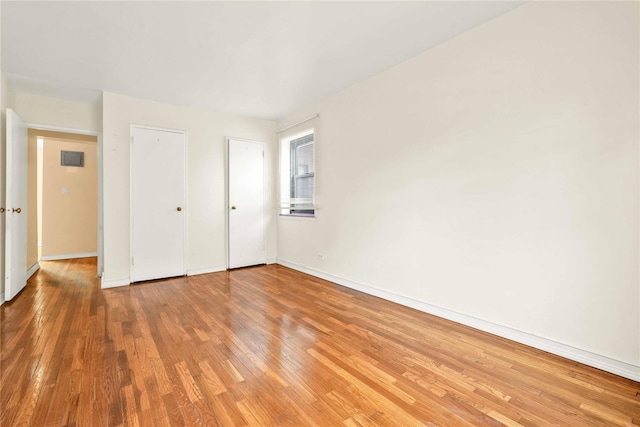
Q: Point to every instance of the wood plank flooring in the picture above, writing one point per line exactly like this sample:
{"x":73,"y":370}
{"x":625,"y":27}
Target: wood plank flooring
{"x":269,"y":346}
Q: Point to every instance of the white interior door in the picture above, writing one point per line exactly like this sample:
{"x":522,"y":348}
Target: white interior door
{"x":246,"y":235}
{"x":157,"y":203}
{"x":16,"y":206}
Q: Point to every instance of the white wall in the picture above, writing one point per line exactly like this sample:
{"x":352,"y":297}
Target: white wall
{"x":56,"y":112}
{"x":206,"y":178}
{"x":494,"y":176}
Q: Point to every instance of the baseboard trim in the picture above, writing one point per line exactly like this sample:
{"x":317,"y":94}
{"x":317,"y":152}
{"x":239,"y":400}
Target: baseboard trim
{"x":272,"y":261}
{"x":206,"y":270}
{"x":35,"y":267}
{"x":586,"y":357}
{"x":2,"y":301}
{"x":68,"y":256}
{"x":106,"y":284}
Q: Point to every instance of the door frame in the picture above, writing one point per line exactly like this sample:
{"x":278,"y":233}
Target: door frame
{"x":98,"y":135}
{"x":186,"y":194}
{"x":226,"y":194}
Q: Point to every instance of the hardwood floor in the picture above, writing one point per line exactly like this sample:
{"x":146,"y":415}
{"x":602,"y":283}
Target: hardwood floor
{"x":270,"y":346}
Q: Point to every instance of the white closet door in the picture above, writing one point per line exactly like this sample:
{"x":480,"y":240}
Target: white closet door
{"x":246,"y":233}
{"x":158,"y":204}
{"x":15,"y":273}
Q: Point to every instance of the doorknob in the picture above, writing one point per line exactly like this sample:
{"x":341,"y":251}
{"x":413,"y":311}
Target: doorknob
{"x":16,"y":210}
{"x":179,"y":209}
{"x":2,"y":210}
{"x":233,"y":208}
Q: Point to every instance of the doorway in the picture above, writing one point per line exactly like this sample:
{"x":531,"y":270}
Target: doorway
{"x":21,"y":256}
{"x":67,"y":196}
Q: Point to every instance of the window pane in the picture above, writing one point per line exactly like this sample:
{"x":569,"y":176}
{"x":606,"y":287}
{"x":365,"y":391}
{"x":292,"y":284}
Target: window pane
{"x":303,"y":187}
{"x":304,"y":158}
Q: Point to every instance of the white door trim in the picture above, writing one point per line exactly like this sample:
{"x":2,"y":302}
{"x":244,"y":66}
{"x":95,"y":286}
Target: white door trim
{"x":186,"y":196}
{"x":226,"y":192}
{"x":38,"y":126}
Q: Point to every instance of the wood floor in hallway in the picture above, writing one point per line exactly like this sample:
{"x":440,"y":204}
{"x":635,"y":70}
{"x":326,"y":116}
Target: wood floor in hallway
{"x":269,"y":346}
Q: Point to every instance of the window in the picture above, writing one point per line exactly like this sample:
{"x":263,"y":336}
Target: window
{"x":297,"y":173}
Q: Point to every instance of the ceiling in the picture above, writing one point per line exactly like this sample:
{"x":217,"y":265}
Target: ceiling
{"x":258,"y":59}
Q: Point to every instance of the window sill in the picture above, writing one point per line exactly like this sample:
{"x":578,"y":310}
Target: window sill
{"x":298,"y":217}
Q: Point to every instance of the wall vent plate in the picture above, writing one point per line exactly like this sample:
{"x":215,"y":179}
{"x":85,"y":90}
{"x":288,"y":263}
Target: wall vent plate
{"x":72,"y":158}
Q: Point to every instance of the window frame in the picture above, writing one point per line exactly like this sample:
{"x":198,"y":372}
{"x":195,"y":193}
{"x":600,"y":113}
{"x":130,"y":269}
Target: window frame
{"x":287,"y":209}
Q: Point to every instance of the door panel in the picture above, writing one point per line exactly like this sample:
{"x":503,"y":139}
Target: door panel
{"x":158,"y":204}
{"x":246,"y":236}
{"x":16,"y":205}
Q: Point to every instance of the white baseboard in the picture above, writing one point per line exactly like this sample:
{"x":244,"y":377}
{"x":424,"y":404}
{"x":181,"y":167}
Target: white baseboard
{"x":68,"y":256}
{"x":35,"y":267}
{"x":2,"y":301}
{"x":106,"y":284}
{"x":586,"y":357}
{"x":206,"y":270}
{"x":272,"y":261}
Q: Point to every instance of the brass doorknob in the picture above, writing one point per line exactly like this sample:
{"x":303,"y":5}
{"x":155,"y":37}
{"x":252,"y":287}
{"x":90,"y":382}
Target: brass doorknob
{"x":233,"y":208}
{"x":2,"y":210}
{"x":16,"y":210}
{"x":179,"y":209}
